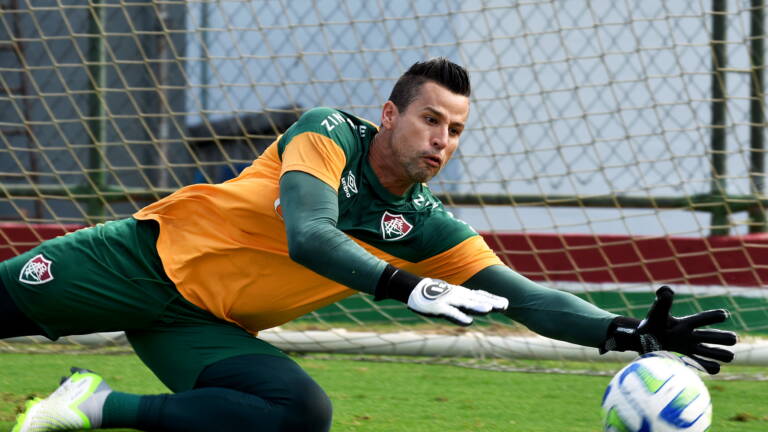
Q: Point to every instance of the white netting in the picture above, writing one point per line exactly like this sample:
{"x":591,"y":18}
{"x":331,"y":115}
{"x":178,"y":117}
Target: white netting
{"x":594,"y":118}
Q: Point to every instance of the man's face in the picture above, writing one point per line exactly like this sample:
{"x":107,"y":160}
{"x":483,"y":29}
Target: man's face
{"x":425,"y":135}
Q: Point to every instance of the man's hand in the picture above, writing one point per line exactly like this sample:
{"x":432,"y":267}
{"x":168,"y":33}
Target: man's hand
{"x":433,"y":297}
{"x":661,"y":331}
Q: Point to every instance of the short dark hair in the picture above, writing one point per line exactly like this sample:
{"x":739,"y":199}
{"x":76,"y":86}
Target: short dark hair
{"x":439,"y":70}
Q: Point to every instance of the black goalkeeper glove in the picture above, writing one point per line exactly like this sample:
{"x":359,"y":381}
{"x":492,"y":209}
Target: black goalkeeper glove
{"x":661,"y":331}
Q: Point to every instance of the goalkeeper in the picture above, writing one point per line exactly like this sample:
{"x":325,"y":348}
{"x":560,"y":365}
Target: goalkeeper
{"x":336,"y":205}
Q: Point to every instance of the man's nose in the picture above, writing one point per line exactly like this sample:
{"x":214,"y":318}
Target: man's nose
{"x":440,"y":138}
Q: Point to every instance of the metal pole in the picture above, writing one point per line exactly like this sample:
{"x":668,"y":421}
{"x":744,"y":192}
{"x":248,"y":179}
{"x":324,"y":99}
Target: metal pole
{"x":719,"y":223}
{"x":757,"y":115}
{"x":97,"y":58}
{"x":163,"y":127}
{"x":204,"y":73}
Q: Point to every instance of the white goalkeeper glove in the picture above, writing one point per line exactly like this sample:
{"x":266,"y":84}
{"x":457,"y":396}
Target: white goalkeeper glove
{"x":436,"y":298}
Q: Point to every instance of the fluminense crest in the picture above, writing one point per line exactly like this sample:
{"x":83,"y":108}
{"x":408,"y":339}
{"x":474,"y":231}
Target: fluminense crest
{"x":394,"y":226}
{"x":36,"y":271}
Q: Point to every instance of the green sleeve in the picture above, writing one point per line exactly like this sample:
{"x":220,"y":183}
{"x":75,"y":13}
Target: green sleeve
{"x":546,"y":311}
{"x":310,"y":211}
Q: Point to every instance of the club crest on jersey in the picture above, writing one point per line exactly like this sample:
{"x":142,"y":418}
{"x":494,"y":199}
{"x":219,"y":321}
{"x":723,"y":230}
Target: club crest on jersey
{"x":36,"y":271}
{"x":394,"y":226}
{"x":348,"y":184}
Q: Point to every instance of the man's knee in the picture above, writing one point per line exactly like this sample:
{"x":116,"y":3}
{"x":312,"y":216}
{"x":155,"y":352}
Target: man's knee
{"x":296,"y":402}
{"x":309,"y":408}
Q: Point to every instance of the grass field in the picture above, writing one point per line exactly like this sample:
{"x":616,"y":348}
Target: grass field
{"x":373,"y":396}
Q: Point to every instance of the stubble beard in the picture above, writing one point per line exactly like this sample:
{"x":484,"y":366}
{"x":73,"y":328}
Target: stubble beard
{"x":416,"y":171}
{"x":413,"y":165}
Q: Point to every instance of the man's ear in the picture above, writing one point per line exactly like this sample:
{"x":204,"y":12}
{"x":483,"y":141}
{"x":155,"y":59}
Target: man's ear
{"x":389,"y":114}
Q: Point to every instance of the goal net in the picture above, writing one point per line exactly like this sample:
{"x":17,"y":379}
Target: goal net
{"x":612,"y":146}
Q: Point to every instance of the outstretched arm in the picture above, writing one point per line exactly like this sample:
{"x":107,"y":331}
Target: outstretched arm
{"x":546,"y":311}
{"x":564,"y":316}
{"x":310,"y":211}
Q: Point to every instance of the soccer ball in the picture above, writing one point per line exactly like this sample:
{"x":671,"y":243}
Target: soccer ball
{"x":684,"y":359}
{"x":657,"y":392}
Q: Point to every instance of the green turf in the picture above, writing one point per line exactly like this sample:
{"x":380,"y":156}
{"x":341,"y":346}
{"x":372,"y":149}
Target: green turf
{"x":390,"y":397}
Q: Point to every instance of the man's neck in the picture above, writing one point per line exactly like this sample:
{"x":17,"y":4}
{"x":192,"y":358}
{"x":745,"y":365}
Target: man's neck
{"x":385,"y":167}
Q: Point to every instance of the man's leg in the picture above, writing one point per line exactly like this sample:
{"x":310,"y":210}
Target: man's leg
{"x":251,"y":392}
{"x":223,"y":378}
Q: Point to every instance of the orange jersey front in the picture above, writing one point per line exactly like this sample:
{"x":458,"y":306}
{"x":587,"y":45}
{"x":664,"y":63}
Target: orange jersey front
{"x":224,"y":245}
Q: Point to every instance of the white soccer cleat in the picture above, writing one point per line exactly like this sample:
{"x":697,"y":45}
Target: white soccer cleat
{"x":76,"y":404}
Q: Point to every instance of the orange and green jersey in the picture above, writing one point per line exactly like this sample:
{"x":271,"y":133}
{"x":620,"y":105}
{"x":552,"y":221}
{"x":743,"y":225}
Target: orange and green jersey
{"x":224,"y":245}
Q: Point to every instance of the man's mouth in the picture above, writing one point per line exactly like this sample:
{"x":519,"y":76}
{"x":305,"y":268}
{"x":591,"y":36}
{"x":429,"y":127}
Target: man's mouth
{"x":433,"y":161}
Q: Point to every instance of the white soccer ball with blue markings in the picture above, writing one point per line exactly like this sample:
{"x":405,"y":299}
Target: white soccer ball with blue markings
{"x":658,"y":392}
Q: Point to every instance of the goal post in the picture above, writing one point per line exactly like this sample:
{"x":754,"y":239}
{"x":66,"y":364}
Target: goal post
{"x":611,"y":148}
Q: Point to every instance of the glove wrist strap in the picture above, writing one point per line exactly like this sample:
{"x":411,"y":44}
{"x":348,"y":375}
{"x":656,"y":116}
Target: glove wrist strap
{"x":395,"y":284}
{"x":622,"y":335}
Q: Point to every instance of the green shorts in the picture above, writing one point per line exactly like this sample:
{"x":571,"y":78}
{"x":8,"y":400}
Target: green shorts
{"x":109,"y":277}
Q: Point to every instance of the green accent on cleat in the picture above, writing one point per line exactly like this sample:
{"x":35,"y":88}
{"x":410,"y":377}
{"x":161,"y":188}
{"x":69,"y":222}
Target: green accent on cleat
{"x":21,"y":418}
{"x":76,"y":404}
